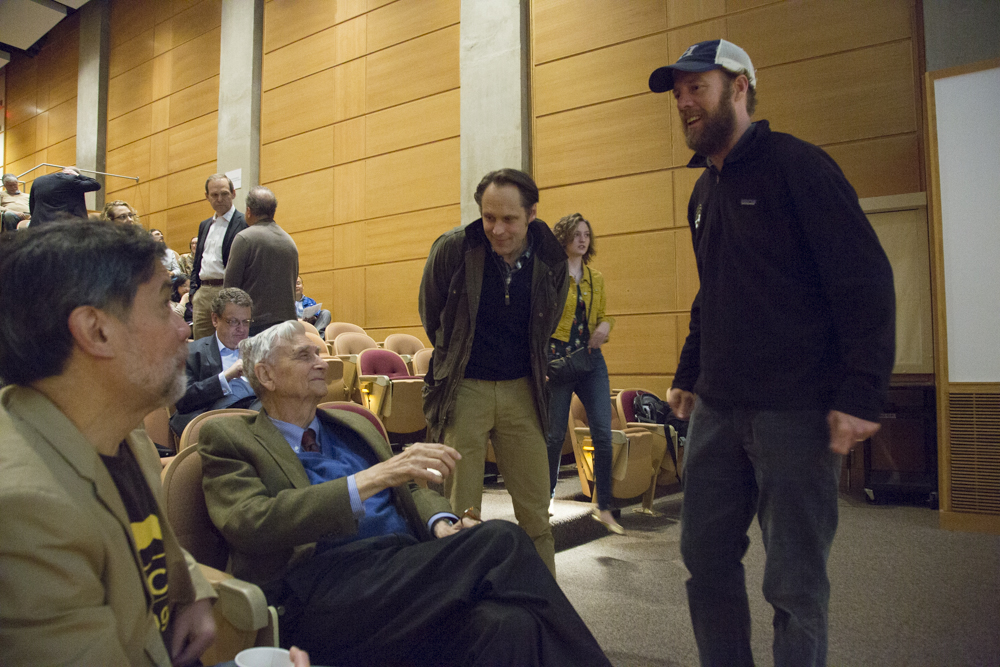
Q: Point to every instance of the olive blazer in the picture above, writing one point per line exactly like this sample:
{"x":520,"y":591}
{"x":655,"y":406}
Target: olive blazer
{"x":260,"y":497}
{"x":72,"y":589}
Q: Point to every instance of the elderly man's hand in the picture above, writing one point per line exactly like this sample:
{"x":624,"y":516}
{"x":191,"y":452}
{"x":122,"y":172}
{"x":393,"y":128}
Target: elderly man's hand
{"x":444,"y":528}
{"x":423,"y":460}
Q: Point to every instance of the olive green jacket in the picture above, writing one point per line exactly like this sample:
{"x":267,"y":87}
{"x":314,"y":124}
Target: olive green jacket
{"x":449,"y":301}
{"x":261,"y":500}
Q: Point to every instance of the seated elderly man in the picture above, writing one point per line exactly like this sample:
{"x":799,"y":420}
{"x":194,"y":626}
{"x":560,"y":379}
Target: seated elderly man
{"x":214,"y":370}
{"x":367,"y":567}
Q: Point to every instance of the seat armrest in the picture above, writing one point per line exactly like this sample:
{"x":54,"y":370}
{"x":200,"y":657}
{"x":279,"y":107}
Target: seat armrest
{"x":655,"y":428}
{"x":381,"y":380}
{"x":617,"y":437}
{"x":241,"y":603}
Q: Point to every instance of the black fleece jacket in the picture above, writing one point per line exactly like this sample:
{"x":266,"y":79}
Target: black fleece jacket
{"x":796,"y":309}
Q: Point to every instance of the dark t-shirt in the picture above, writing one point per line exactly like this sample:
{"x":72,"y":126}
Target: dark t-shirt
{"x":142,"y":515}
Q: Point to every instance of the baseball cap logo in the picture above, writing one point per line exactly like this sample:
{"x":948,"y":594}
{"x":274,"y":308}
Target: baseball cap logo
{"x":688,"y":52}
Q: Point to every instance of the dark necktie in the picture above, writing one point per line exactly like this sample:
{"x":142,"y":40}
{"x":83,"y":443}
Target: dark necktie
{"x":309,"y":443}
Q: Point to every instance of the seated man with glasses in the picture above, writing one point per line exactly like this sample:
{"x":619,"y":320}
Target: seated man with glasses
{"x":364,"y":566}
{"x":214,"y":370}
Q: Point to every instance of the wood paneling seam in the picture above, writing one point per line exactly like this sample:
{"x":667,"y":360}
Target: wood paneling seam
{"x":601,"y":48}
{"x":415,"y":37}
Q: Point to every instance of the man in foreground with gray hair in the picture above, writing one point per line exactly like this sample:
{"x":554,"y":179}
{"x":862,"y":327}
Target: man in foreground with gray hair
{"x":365,"y":566}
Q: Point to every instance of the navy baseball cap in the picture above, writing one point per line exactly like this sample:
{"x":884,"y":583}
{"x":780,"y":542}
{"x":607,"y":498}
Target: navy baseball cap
{"x":702,"y":57}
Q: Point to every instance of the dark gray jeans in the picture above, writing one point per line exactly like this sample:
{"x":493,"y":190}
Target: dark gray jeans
{"x":777,"y":465}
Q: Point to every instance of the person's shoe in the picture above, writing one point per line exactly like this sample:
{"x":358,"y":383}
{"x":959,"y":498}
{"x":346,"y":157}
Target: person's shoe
{"x":552,"y":507}
{"x":612,"y":525}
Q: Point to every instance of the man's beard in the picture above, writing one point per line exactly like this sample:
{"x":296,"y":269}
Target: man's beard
{"x":717,"y":128}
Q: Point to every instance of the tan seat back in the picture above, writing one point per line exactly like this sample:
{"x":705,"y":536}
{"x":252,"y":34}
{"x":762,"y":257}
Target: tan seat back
{"x":187,"y":512}
{"x":401,"y":343}
{"x":422,"y":360}
{"x":334,"y":329}
{"x":352,"y":342}
{"x":189,"y":437}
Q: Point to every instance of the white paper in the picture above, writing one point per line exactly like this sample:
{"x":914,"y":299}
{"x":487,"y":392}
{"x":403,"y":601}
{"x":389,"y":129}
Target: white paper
{"x":236,"y":176}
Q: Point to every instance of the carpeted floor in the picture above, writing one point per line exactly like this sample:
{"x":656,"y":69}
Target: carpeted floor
{"x":904,"y":592}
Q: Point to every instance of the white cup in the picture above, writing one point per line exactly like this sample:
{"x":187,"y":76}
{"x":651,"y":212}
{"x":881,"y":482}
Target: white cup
{"x":263,"y":656}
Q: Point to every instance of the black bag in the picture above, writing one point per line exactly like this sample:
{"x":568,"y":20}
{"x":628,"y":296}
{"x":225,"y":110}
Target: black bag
{"x":651,"y":410}
{"x":572,"y":367}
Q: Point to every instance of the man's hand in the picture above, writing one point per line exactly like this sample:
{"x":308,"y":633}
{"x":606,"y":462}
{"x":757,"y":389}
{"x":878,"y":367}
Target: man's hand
{"x":847,"y":430}
{"x":299,"y":657}
{"x":193,"y":632}
{"x":423,"y":460}
{"x":234,"y":371}
{"x":600,"y":336}
{"x":444,"y":528}
{"x":681,"y":402}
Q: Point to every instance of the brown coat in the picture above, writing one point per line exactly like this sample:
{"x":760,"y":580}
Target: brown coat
{"x":72,"y":591}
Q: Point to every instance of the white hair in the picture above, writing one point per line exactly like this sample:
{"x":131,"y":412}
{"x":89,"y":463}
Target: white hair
{"x":260,"y":348}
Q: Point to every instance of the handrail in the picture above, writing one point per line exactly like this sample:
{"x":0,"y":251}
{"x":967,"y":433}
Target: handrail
{"x":92,"y":171}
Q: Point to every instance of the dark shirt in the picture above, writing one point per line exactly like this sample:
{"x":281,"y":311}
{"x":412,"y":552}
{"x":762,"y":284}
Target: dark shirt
{"x":146,"y":533}
{"x":500,"y":348}
{"x":59,"y":195}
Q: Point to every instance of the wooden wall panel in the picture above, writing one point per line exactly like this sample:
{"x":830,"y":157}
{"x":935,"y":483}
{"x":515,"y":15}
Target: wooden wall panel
{"x":131,"y":18}
{"x":190,"y":103}
{"x":612,"y":139}
{"x":186,"y":187}
{"x":787,"y":32}
{"x":349,"y":245}
{"x":130,"y":90}
{"x":297,"y":155}
{"x":638,"y":272}
{"x":684,"y":180}
{"x":193,"y":142}
{"x":349,"y":296}
{"x":870,"y":177}
{"x":408,"y":236}
{"x":283,"y":114}
{"x":371,"y":90}
{"x":315,"y":248}
{"x":401,"y":21}
{"x":126,"y":55}
{"x":193,"y":61}
{"x":187,"y":25}
{"x":413,"y":179}
{"x":319,"y":287}
{"x":22,"y":90}
{"x":414,"y":123}
{"x":613,"y":206}
{"x":306,"y":201}
{"x":565,"y":27}
{"x":683,"y":12}
{"x":299,"y":59}
{"x":598,"y":76}
{"x":827,"y":100}
{"x":130,"y":127}
{"x":413,"y":69}
{"x":391,"y":292}
{"x":643,"y":344}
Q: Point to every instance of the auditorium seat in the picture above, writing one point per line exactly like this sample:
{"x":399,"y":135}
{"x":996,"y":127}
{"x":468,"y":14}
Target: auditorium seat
{"x":334,"y":329}
{"x":347,"y":346}
{"x":670,"y":472}
{"x":636,"y":457}
{"x":405,"y":346}
{"x":189,"y":437}
{"x":392,"y":394}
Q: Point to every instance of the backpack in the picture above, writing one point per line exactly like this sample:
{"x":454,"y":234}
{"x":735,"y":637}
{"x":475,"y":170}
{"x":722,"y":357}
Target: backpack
{"x":651,"y":410}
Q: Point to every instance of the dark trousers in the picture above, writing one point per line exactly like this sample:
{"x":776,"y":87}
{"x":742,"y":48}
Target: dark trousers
{"x":594,"y":391}
{"x":480,"y":597}
{"x":779,"y":466}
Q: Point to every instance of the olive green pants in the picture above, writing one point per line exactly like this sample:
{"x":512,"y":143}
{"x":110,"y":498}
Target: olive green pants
{"x":504,"y":413}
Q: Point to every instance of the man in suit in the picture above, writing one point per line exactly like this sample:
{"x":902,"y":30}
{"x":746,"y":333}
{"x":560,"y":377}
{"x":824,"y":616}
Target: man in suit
{"x":57,"y":195}
{"x":214,"y":370}
{"x":215,"y":239}
{"x":264,"y":262}
{"x":90,"y":571}
{"x":368,"y":567}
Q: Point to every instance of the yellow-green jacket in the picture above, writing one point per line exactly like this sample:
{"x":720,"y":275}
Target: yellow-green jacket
{"x":592,"y":281}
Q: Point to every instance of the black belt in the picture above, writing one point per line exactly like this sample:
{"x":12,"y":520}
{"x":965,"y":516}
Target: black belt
{"x":214,"y":282}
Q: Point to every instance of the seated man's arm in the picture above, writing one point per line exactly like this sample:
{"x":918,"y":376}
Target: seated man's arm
{"x":258,"y":515}
{"x":53,"y":604}
{"x":201,"y":392}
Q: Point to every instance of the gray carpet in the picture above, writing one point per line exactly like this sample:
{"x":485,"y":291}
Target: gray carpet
{"x":904,"y":592}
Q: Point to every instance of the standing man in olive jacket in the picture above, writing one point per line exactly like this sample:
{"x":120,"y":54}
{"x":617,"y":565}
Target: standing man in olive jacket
{"x":491,"y":296}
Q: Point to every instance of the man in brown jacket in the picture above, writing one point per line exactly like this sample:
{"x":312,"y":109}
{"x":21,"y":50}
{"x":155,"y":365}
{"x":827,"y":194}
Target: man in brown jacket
{"x":90,"y":571}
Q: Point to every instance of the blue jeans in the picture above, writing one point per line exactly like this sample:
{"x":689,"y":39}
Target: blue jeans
{"x":594,"y":391}
{"x":779,"y":466}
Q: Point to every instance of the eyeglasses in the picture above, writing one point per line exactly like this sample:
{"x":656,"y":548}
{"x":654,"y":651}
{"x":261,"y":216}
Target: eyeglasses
{"x":233,"y":322}
{"x":124,"y":216}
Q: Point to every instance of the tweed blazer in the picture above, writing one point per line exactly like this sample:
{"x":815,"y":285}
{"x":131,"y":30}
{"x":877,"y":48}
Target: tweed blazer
{"x":72,"y":590}
{"x":260,"y":498}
